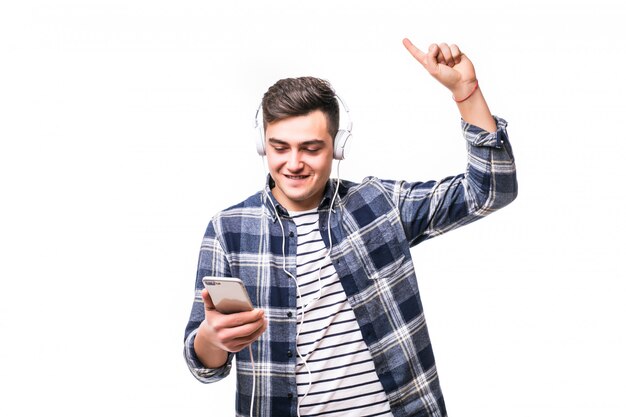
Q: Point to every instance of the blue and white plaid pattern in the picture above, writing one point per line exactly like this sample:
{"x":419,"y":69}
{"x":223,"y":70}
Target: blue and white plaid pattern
{"x":373,"y":225}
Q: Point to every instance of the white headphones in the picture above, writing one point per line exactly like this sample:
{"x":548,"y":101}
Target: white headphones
{"x":342,"y":137}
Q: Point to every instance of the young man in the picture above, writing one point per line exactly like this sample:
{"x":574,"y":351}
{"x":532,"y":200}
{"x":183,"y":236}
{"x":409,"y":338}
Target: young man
{"x":338,"y":328}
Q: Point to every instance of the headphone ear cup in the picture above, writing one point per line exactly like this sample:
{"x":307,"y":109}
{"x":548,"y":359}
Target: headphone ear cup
{"x":260,"y":141}
{"x":342,"y":139}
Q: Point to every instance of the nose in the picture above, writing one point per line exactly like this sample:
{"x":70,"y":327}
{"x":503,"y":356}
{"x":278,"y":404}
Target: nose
{"x":294,"y":163}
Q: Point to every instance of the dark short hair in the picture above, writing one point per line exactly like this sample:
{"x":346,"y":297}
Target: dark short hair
{"x":299,"y":96}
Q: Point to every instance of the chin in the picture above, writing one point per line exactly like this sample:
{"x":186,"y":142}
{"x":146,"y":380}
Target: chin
{"x":298,"y":199}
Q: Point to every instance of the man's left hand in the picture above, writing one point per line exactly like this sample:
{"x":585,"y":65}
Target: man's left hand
{"x":448,"y":65}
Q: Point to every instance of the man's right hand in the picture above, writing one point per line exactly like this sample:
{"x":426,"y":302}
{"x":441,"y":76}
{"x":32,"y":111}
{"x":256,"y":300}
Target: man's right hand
{"x":221,"y":333}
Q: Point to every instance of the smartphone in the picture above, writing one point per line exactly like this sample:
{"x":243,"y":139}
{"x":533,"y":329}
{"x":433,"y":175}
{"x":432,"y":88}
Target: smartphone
{"x":228,"y":294}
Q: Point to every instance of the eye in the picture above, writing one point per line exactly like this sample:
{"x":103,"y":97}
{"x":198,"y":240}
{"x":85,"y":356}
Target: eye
{"x":312,"y":149}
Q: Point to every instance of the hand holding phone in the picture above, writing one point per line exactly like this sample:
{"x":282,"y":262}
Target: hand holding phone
{"x":221,"y":332}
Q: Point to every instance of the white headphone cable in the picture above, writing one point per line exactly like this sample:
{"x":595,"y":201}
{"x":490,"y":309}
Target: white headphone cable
{"x":252,"y":396}
{"x":253,"y":379}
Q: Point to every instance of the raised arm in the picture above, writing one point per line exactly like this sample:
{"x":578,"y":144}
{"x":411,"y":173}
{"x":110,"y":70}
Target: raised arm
{"x":488,"y":183}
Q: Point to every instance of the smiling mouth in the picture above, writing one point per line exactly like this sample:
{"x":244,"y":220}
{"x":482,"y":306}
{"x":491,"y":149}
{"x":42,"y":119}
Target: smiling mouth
{"x":296,"y":177}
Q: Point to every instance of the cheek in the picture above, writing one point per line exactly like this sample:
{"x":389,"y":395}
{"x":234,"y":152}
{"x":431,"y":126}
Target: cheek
{"x":273,"y":163}
{"x":324,"y":166}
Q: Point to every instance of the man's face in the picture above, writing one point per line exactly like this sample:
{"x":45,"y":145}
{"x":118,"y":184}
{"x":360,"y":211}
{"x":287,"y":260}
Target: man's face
{"x":299,"y":156}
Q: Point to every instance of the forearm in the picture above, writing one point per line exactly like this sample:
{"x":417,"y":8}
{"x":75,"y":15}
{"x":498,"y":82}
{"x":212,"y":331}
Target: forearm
{"x":474,"y":110}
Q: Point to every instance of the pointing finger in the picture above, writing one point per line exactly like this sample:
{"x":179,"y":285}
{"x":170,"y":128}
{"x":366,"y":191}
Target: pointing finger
{"x":414,"y":50}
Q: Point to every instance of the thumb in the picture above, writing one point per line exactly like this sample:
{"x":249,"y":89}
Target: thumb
{"x":206,"y":298}
{"x":431,"y":59}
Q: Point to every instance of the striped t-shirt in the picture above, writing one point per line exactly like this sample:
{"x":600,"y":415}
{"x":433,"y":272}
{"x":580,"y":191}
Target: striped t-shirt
{"x":343,"y":379}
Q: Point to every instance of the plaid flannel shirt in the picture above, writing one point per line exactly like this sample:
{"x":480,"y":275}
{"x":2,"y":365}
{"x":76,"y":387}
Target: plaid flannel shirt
{"x":373,"y":224}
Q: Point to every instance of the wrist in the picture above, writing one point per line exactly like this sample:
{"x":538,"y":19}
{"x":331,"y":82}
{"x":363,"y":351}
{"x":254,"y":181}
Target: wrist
{"x":464,"y":91}
{"x":474,"y":110}
{"x":210,"y":354}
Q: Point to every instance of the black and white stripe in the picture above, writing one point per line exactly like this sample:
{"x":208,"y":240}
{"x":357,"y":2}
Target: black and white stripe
{"x":344,"y":382}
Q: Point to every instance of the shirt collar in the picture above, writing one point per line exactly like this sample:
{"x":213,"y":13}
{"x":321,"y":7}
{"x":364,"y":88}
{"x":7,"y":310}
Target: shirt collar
{"x":274,"y":206}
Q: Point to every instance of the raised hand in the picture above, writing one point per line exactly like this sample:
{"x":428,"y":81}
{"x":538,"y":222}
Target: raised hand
{"x":448,"y":65}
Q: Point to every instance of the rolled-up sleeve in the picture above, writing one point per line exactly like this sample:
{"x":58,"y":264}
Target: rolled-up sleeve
{"x":491,"y":174}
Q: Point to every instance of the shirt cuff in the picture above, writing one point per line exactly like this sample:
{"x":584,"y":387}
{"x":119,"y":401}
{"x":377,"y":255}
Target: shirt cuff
{"x":198,"y":370}
{"x":477,"y":136}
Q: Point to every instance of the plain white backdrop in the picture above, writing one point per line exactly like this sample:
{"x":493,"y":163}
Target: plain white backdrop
{"x":124,"y":125}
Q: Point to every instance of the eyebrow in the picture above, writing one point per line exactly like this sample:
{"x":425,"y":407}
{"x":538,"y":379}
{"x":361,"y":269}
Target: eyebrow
{"x":305,"y":143}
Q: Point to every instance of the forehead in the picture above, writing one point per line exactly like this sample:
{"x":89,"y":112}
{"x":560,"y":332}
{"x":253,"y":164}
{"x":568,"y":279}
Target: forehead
{"x":311,"y":126}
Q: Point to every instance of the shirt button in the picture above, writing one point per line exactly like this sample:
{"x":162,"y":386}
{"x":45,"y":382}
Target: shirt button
{"x":289,"y":354}
{"x":290,"y":234}
{"x":290,"y":395}
{"x":289,"y":314}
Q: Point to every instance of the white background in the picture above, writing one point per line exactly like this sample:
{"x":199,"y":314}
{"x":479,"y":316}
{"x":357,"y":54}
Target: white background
{"x":125,"y":125}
